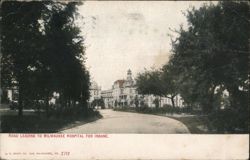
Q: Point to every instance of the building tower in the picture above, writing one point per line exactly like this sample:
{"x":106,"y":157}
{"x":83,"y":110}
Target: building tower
{"x":129,"y":75}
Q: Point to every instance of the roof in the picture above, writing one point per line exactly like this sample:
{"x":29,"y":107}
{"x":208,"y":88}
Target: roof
{"x":106,"y":91}
{"x":120,"y":82}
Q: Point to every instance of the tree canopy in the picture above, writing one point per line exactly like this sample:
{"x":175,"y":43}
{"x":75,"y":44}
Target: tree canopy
{"x":157,"y":82}
{"x":209,"y":58}
{"x":213,"y":53}
{"x":43,"y":52}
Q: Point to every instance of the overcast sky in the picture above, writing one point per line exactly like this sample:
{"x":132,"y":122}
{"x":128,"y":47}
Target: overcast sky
{"x":128,"y":35}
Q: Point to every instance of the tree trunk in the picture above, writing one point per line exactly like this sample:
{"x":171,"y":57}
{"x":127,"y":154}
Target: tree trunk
{"x":38,"y":107}
{"x":160,"y":102}
{"x":20,"y":105}
{"x":69,"y":102}
{"x":208,"y":105}
{"x":47,"y":105}
{"x":172,"y":100}
{"x":84,"y":107}
{"x":238,"y":99}
{"x":20,"y":100}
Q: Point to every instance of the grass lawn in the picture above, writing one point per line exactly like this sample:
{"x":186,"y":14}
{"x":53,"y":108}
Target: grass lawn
{"x":41,"y":124}
{"x":196,"y":124}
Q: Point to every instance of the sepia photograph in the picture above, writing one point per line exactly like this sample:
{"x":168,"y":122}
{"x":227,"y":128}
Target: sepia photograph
{"x":124,"y":67}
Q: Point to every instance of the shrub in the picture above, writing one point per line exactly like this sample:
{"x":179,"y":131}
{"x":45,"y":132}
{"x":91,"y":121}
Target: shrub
{"x":161,"y":110}
{"x":229,"y":121}
{"x":43,"y":124}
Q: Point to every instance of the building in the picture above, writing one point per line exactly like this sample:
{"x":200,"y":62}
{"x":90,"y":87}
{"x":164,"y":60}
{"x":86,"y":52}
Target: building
{"x":107,"y":96}
{"x":124,"y":91}
{"x":178,"y":101}
{"x":118,"y":92}
{"x":95,"y":91}
{"x":11,"y":93}
{"x":124,"y":94}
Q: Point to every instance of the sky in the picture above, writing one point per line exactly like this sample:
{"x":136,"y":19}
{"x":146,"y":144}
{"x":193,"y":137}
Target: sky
{"x":122,"y":35}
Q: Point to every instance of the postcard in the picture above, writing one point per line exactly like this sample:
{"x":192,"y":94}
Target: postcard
{"x":124,"y":80}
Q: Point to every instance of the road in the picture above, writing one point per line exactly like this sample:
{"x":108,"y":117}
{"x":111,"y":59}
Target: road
{"x":126,"y":122}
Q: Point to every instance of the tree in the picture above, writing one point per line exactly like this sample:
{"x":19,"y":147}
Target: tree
{"x":136,"y":101}
{"x":156,"y":102}
{"x":43,"y":52}
{"x":98,"y":102}
{"x":66,"y":47}
{"x":116,"y":103}
{"x":170,"y":86}
{"x":149,"y":82}
{"x":158,"y":82}
{"x":214,"y":53}
{"x":20,"y":44}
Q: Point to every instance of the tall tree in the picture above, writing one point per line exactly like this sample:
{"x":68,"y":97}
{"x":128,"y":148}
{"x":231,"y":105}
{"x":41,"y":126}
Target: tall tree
{"x":214,"y":53}
{"x":170,"y":85}
{"x":66,"y":44}
{"x":20,"y":43}
{"x":149,"y":82}
{"x":43,"y":52}
{"x":158,"y":82}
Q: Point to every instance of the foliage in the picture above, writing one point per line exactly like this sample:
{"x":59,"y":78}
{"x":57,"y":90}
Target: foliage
{"x":149,"y":82}
{"x":167,"y":109}
{"x":156,"y":102}
{"x":170,"y":79}
{"x":158,"y":82}
{"x":136,"y":101}
{"x":211,"y":58}
{"x":43,"y":124}
{"x":229,"y":121}
{"x":43,"y":53}
{"x":209,"y":65}
{"x":116,"y":103}
{"x":226,"y":121}
{"x":20,"y":29}
{"x":213,"y":53}
{"x":98,"y":102}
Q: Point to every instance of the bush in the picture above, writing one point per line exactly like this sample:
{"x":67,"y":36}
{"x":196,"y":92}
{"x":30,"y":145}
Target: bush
{"x":44,"y":124}
{"x":229,"y":121}
{"x":161,"y":110}
{"x":73,"y":112}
